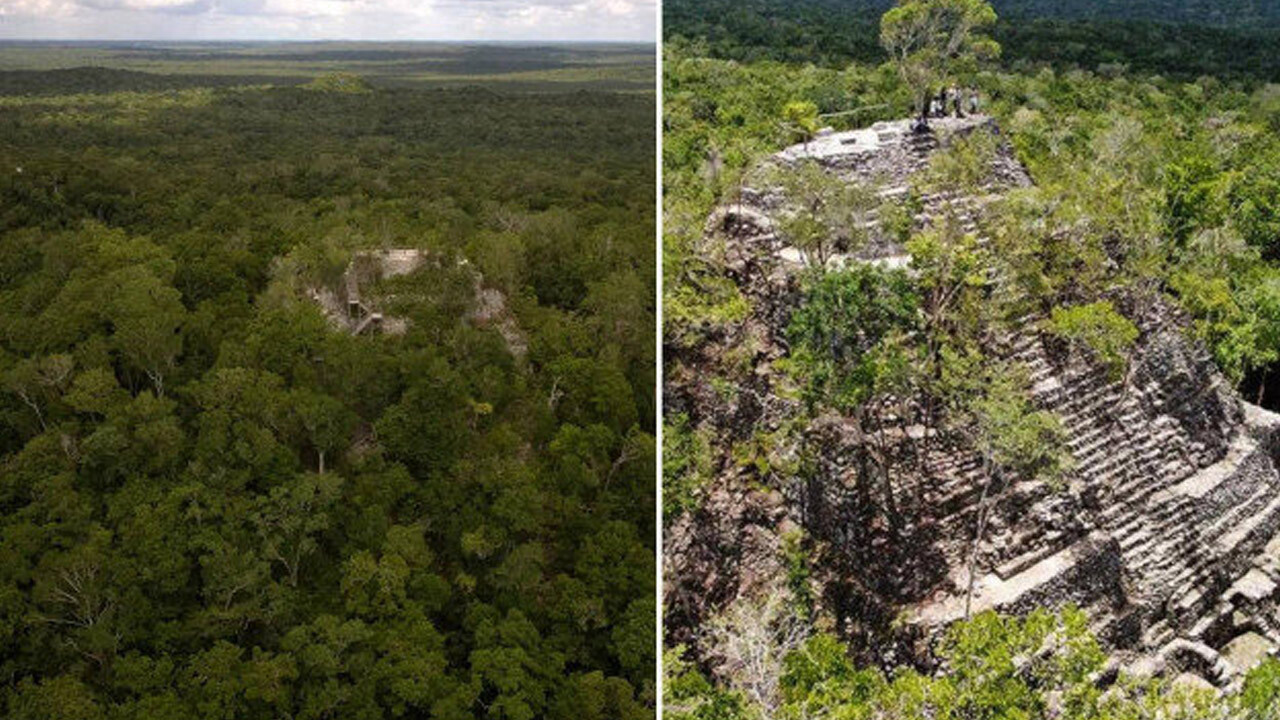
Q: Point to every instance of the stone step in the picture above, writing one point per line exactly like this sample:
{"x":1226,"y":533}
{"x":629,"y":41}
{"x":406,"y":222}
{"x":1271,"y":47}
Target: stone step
{"x":1047,"y":547}
{"x":992,"y":592}
{"x":1137,"y":486}
{"x":1264,"y":522}
{"x":1238,"y":514}
{"x":1161,"y":555}
{"x":1158,"y":634}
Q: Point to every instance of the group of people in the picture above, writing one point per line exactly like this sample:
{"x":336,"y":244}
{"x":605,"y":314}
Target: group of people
{"x":954,"y":101}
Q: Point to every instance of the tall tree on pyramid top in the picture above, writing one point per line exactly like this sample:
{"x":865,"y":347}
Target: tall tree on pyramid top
{"x":933,"y":42}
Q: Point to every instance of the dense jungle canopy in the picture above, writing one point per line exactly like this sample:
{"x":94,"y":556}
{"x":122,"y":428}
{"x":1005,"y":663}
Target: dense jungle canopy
{"x":216,"y":503}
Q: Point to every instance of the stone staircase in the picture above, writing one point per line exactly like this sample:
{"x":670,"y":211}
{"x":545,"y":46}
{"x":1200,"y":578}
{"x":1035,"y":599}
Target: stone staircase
{"x":1191,"y":514}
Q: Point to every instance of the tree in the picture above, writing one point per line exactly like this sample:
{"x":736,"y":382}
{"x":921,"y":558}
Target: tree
{"x":821,"y":213}
{"x":37,"y":382}
{"x":513,"y":666}
{"x":1010,"y":437}
{"x":851,"y":348}
{"x":63,"y":696}
{"x":147,"y":315}
{"x":842,"y":333}
{"x":931,"y":41}
{"x":289,"y":518}
{"x":801,"y":118}
{"x":325,"y":421}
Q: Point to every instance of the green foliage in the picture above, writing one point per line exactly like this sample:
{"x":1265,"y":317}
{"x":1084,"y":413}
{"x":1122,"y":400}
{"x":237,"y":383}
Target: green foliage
{"x":215,"y":503}
{"x":1010,"y":432}
{"x":994,"y":667}
{"x":1237,"y":315}
{"x":795,"y":555}
{"x":340,"y":82}
{"x":1044,"y":664}
{"x":847,"y":336}
{"x":999,"y":663}
{"x":688,"y":695}
{"x":1170,"y":38}
{"x":932,"y":41}
{"x":1260,"y":696}
{"x":820,"y":677}
{"x":801,"y":116}
{"x":686,"y":466}
{"x":1098,"y":327}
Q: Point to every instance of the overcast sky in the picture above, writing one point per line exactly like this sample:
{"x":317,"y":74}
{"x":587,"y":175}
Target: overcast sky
{"x":329,"y":19}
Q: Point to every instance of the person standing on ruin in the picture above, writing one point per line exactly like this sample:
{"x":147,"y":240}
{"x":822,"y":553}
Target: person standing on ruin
{"x":974,"y":103}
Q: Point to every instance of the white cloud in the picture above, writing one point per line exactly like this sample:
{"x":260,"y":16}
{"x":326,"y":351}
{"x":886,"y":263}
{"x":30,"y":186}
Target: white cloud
{"x":149,"y":5}
{"x":330,"y":19}
{"x":36,"y":8}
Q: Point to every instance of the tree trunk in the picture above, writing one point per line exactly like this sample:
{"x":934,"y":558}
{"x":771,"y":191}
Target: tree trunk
{"x":983,"y":512}
{"x":35,"y":407}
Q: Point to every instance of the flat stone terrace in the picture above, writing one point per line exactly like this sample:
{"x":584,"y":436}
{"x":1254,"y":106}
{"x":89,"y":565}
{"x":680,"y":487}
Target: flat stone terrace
{"x":888,"y":156}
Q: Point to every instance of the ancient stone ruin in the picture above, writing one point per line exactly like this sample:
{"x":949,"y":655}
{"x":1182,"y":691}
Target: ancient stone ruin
{"x":1166,"y":529}
{"x":351,"y":309}
{"x":348,"y":309}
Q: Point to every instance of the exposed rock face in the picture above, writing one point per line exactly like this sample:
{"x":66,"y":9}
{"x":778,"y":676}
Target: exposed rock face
{"x":1167,"y":528}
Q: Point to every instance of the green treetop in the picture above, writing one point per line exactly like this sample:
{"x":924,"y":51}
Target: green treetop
{"x":932,"y":41}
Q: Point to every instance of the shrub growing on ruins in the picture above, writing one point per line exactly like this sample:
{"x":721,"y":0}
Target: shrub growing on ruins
{"x":1098,"y":327}
{"x":821,"y":213}
{"x":1260,"y":695}
{"x":687,"y":694}
{"x":843,"y":335}
{"x":801,"y":118}
{"x":686,"y":466}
